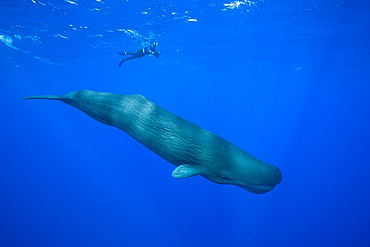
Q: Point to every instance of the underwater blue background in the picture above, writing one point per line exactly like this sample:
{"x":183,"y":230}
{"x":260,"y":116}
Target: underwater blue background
{"x":287,"y":81}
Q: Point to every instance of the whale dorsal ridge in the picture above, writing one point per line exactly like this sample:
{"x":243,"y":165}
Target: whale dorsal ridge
{"x":185,"y":171}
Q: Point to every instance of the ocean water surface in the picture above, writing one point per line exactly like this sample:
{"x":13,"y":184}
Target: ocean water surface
{"x":287,"y":81}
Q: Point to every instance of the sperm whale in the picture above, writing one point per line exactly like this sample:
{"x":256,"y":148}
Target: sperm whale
{"x":193,"y":149}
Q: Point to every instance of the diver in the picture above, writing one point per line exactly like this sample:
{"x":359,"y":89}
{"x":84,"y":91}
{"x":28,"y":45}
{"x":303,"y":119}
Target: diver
{"x":148,"y":50}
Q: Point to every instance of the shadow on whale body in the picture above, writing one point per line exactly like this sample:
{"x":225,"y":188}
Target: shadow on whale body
{"x":194,"y":150}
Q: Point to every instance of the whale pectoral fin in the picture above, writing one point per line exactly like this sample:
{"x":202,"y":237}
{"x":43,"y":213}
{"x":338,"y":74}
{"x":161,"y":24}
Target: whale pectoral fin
{"x":185,"y":171}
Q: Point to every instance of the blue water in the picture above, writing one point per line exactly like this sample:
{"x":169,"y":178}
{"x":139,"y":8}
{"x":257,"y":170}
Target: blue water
{"x":287,"y":81}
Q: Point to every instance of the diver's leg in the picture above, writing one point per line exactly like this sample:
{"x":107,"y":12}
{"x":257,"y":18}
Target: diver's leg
{"x":125,"y":53}
{"x":129,"y":58}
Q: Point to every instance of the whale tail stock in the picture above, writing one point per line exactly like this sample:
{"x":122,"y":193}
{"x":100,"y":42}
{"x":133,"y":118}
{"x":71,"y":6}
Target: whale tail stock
{"x":66,"y":98}
{"x":53,"y":97}
{"x":74,"y":99}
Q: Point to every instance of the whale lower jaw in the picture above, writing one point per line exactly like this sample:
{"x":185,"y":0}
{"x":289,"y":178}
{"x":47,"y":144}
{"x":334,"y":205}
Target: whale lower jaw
{"x":257,"y":189}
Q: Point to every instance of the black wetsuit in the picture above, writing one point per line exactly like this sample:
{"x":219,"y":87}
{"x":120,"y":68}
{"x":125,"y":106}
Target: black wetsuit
{"x":149,"y":50}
